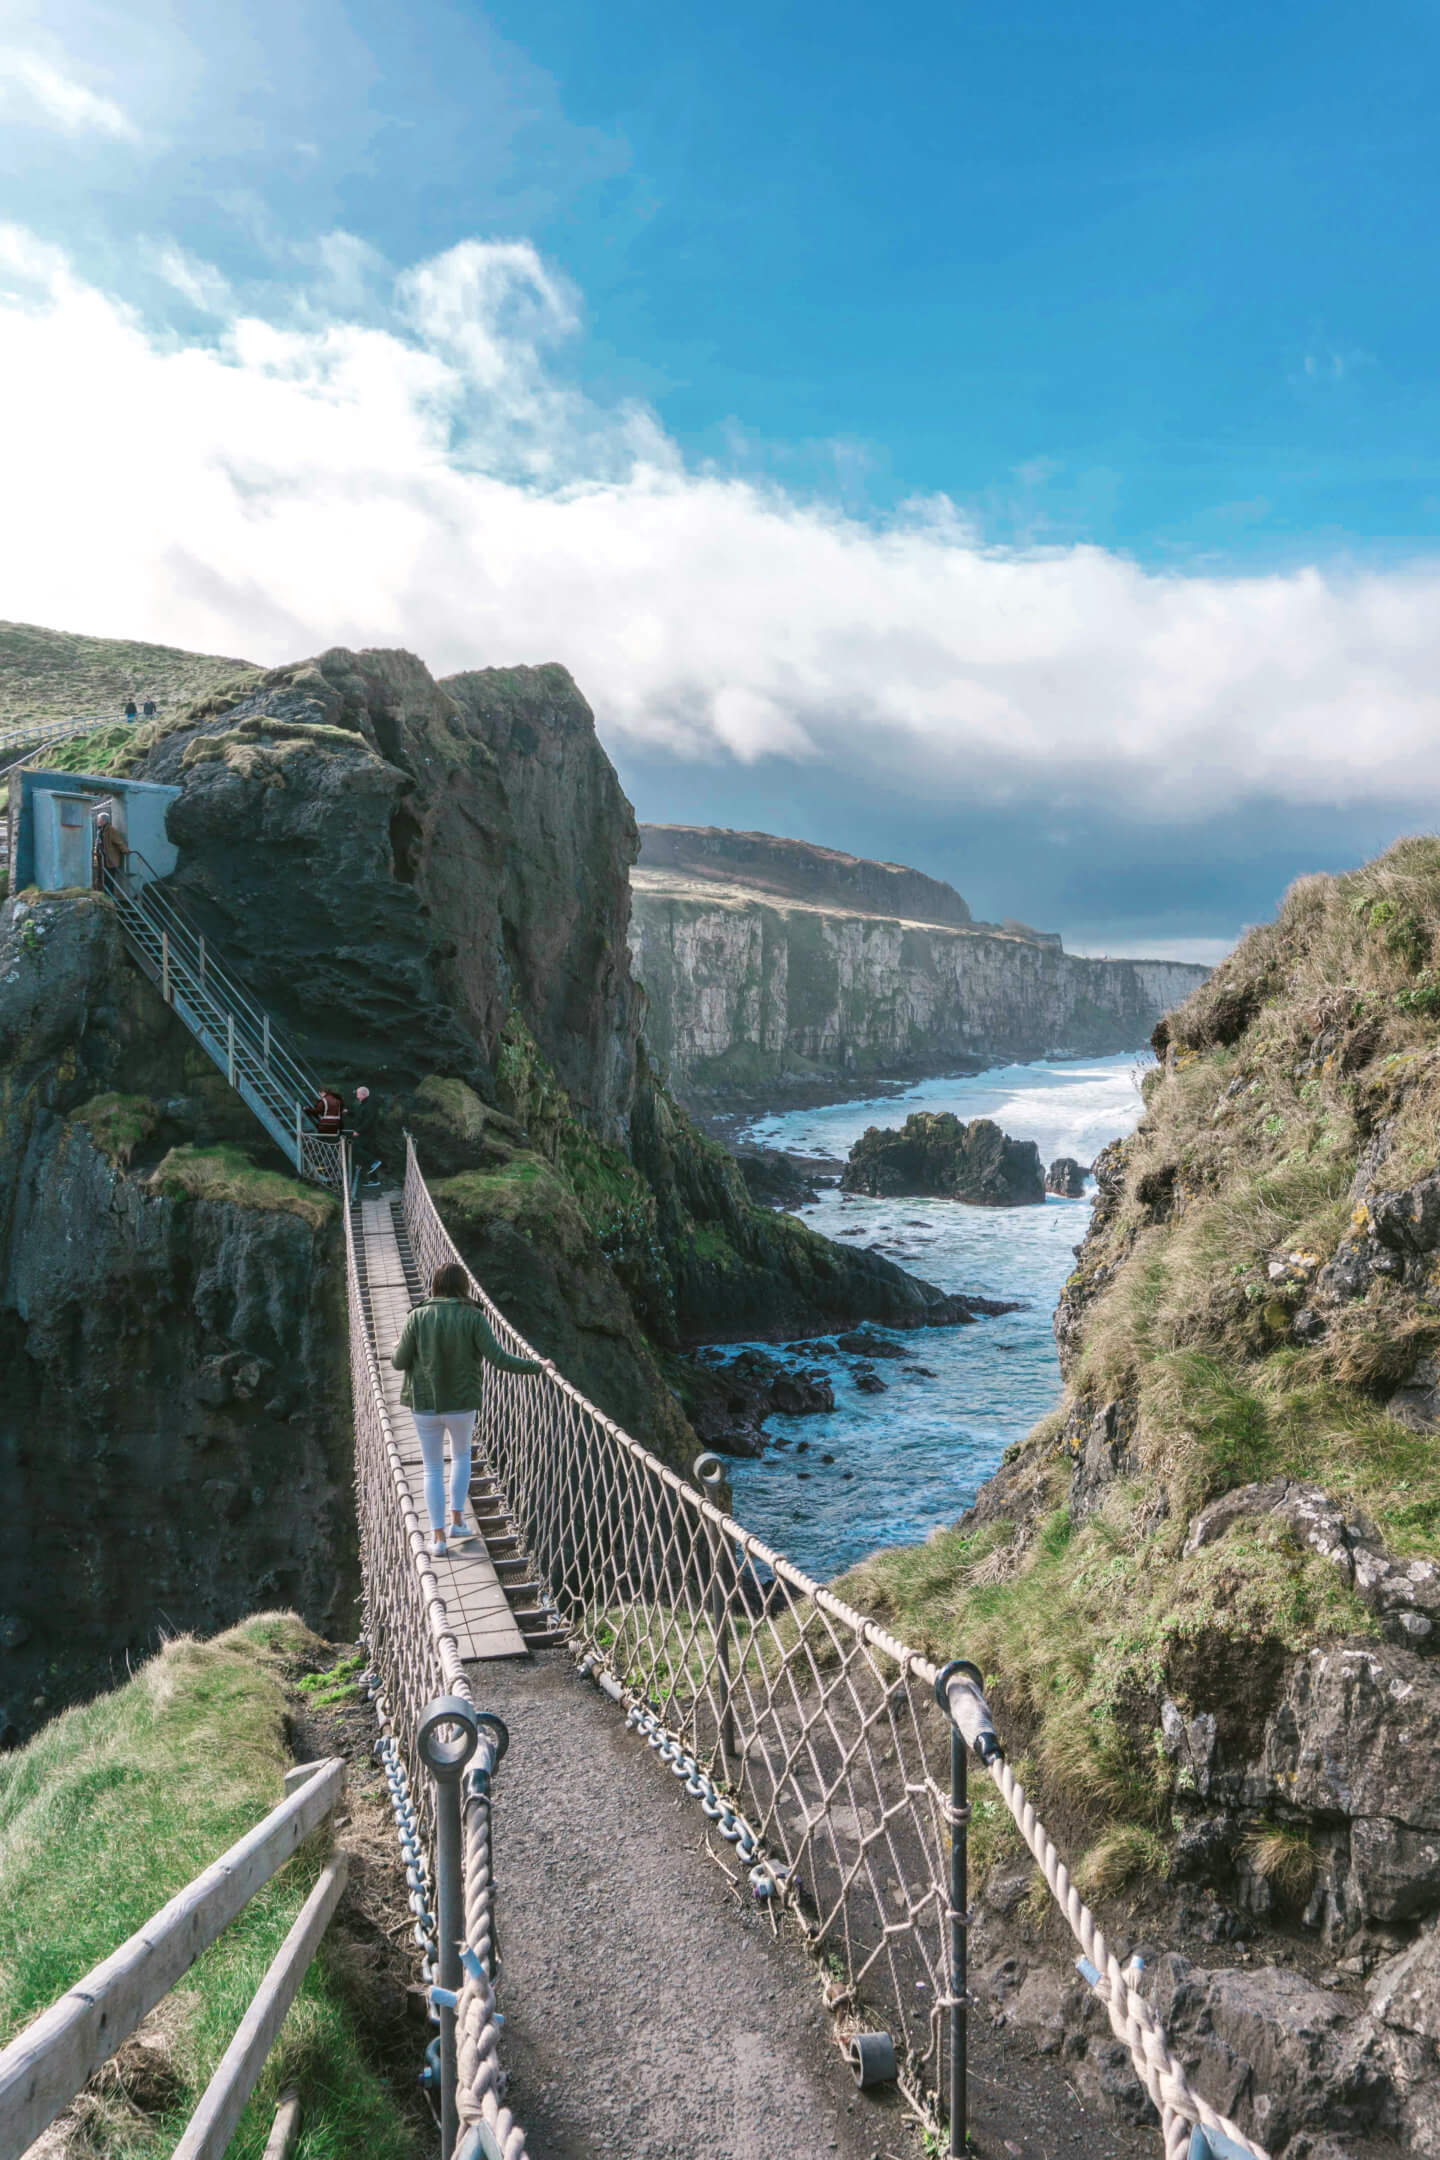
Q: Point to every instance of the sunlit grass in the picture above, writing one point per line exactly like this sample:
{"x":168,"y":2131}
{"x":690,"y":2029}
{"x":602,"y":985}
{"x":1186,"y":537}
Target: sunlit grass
{"x":113,"y":1808}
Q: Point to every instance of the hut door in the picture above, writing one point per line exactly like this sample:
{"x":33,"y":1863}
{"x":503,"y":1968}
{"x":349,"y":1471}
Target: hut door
{"x":74,"y":840}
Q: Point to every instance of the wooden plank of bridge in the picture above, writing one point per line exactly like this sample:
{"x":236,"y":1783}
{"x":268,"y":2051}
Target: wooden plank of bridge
{"x":475,"y":1601}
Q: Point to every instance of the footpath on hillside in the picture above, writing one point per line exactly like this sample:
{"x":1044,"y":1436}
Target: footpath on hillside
{"x":650,"y":2012}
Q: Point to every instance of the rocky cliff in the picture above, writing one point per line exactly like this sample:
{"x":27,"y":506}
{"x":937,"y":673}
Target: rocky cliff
{"x":1207,"y":1590}
{"x":427,"y":884}
{"x":174,"y":1415}
{"x":774,"y":963}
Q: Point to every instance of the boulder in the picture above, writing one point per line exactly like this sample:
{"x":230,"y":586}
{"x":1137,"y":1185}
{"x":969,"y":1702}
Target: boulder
{"x":861,"y":1343}
{"x":1066,"y":1178}
{"x":934,"y":1154}
{"x":1277,"y":2053}
{"x":1405,"y":1991}
{"x":776,"y":1180}
{"x":1355,"y":1741}
{"x":727,"y":1401}
{"x":1406,"y":1593}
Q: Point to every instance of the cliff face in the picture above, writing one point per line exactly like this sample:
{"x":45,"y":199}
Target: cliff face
{"x":174,"y":1416}
{"x":428,"y":885}
{"x":1206,"y":1591}
{"x":748,"y":991}
{"x":798,"y":870}
{"x":393,"y":861}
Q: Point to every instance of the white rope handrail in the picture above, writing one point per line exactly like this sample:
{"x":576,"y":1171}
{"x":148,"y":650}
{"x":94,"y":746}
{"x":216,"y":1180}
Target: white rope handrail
{"x":833,"y":1716}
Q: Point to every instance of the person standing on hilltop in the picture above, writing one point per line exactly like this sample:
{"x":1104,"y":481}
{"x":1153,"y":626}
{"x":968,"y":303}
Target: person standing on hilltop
{"x":130,"y":712}
{"x":148,"y":708}
{"x":443,"y":1351}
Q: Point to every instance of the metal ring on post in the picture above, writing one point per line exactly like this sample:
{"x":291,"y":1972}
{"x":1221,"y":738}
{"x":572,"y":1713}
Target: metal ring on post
{"x":977,"y":1729}
{"x":493,"y":1739}
{"x":708,"y":1470}
{"x":445,"y":1759}
{"x":488,"y":1722}
{"x":872,"y":2058}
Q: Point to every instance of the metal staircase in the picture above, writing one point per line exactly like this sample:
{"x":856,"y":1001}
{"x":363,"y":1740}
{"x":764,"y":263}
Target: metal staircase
{"x":225,"y":1020}
{"x":33,"y":735}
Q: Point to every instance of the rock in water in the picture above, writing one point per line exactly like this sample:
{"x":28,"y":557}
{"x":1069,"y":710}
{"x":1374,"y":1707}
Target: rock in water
{"x":935,"y":1154}
{"x":1066,"y":1178}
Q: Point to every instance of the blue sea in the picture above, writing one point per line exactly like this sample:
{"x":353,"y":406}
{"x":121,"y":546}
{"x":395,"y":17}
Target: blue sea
{"x":918,"y":1453}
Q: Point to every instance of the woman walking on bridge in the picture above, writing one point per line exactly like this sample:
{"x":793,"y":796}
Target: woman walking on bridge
{"x":443,"y":1352}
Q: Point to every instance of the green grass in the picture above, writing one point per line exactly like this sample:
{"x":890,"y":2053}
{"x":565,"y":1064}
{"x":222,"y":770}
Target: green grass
{"x":111,"y":1810}
{"x":1075,"y":1627}
{"x":54,"y":675}
{"x":226,"y":1172}
{"x":111,"y":750}
{"x":118,"y":1124}
{"x":617,"y":1204}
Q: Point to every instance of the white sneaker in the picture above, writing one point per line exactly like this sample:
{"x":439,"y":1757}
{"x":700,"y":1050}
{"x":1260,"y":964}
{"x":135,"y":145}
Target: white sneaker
{"x":460,"y":1533}
{"x":438,"y":1547}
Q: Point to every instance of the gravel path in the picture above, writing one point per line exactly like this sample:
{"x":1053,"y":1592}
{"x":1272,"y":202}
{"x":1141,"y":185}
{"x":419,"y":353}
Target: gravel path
{"x":650,"y":2014}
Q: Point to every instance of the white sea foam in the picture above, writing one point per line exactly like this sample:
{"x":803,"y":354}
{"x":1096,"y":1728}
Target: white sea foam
{"x":918,"y":1453}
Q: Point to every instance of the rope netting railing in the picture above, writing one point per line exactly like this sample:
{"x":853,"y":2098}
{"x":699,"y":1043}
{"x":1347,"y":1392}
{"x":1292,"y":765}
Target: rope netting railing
{"x":824,"y":1725}
{"x":415,"y":1660}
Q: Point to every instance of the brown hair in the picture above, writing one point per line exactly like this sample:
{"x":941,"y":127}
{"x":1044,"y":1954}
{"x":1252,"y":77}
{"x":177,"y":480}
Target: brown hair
{"x":450,"y":1281}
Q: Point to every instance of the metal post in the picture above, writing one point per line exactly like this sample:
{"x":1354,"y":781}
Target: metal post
{"x":230,"y":1048}
{"x":959,"y":1690}
{"x":710,"y":1473}
{"x":959,"y":2034}
{"x":446,"y":1739}
{"x":165,"y":966}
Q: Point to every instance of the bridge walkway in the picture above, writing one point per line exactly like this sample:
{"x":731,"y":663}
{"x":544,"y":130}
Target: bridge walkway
{"x":649,"y":2011}
{"x":475,"y":1600}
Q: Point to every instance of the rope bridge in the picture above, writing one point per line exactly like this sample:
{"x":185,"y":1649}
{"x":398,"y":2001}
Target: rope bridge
{"x":830,"y":1736}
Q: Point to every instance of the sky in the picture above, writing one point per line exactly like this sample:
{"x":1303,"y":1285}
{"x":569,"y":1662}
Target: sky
{"x":1001,"y":439}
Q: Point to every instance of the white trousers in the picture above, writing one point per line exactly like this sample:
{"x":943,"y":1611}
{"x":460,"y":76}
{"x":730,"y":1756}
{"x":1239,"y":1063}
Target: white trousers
{"x":431,"y":1426}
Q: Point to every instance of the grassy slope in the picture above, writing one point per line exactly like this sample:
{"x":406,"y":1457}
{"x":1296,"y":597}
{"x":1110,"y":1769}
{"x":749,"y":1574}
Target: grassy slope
{"x":140,"y":1790}
{"x":1314,"y":1048}
{"x":54,"y":675}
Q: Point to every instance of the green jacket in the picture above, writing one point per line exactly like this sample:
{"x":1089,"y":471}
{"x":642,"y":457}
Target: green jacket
{"x":443,"y":1353}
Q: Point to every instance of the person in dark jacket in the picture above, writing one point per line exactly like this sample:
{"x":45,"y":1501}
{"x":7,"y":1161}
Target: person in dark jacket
{"x":443,"y":1352}
{"x":328,"y":1112}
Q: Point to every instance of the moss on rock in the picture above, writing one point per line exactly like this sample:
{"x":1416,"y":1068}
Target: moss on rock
{"x":228,"y":1173}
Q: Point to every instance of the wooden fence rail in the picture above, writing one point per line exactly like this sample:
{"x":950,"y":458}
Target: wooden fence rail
{"x":47,"y":2064}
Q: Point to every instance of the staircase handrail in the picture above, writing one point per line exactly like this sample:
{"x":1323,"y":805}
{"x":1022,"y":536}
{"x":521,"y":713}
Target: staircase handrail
{"x":194,"y":958}
{"x":40,"y":732}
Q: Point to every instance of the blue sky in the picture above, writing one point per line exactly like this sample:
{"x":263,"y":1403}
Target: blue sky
{"x":1005,"y":439}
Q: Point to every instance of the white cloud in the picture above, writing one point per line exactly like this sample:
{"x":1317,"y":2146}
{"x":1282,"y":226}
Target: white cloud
{"x":34,"y":87}
{"x":198,"y":282}
{"x":423,"y":475}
